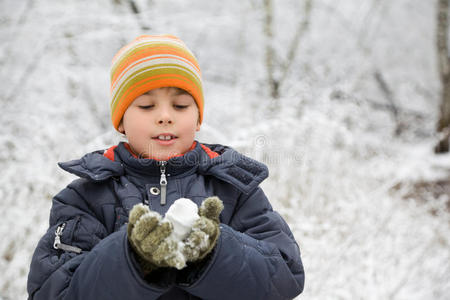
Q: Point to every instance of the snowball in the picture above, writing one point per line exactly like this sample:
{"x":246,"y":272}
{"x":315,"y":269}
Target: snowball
{"x":183,"y":213}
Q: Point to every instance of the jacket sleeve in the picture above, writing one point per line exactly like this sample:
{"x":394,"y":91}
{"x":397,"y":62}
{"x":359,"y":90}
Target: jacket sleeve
{"x":256,"y":257}
{"x":105,"y":269}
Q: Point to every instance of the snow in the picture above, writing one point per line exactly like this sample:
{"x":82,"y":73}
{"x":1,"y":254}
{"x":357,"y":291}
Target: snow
{"x":182,"y":213}
{"x":176,"y":252}
{"x":339,"y":175}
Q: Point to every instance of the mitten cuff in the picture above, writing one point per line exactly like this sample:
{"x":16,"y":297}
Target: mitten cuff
{"x":194,"y":270}
{"x":158,"y":276}
{"x":145,"y":272}
{"x":139,"y":263}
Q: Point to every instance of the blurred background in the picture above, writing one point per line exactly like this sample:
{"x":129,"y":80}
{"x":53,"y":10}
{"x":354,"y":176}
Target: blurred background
{"x":345,"y":101}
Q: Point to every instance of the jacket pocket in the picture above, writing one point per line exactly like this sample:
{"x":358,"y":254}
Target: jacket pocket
{"x":64,"y":236}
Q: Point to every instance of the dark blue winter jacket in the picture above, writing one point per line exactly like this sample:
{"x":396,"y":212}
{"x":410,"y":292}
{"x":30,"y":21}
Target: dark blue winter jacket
{"x":256,"y":256}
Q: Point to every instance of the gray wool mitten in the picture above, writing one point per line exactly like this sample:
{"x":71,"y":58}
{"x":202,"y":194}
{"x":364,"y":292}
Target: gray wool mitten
{"x":147,"y":234}
{"x":205,"y":230}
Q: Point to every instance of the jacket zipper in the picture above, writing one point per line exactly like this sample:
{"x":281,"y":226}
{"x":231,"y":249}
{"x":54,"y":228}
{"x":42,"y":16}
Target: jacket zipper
{"x":163,"y":181}
{"x":57,"y":243}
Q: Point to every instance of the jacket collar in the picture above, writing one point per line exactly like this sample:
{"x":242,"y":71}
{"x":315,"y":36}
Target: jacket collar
{"x":228,"y":165}
{"x":93,"y":166}
{"x":143,"y":167}
{"x":235,"y":168}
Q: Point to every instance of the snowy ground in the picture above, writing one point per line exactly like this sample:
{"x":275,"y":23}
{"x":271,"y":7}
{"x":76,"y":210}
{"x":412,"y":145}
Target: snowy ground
{"x":339,"y":175}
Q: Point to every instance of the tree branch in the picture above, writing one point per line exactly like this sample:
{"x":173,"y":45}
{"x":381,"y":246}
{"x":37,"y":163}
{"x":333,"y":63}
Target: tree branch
{"x":390,"y":97}
{"x":441,"y":38}
{"x":270,"y":53}
{"x":301,"y":29}
{"x":443,"y":145}
{"x":376,"y":105}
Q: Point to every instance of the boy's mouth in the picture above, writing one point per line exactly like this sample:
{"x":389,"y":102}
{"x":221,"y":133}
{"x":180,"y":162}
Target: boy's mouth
{"x":165,"y":137}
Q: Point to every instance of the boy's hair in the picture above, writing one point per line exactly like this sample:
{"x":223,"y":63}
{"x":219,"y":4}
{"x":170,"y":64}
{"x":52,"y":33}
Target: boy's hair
{"x":150,"y":62}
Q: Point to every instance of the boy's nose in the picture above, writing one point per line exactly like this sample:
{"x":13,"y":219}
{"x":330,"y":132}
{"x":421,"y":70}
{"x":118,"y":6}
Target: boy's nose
{"x":165,"y":121}
{"x":164,"y":117}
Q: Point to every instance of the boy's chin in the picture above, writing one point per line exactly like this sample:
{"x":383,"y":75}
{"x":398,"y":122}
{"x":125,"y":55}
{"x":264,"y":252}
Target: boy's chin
{"x":163,"y":155}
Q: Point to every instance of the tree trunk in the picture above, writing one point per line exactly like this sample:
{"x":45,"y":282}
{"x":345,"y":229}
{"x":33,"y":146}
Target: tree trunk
{"x":270,"y":53}
{"x":275,"y":82}
{"x":443,"y":126}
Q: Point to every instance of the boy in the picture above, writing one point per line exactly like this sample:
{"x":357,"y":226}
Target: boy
{"x":107,"y":237}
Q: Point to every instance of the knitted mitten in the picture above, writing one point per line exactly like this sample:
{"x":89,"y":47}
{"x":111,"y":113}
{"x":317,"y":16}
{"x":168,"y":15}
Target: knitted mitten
{"x":147,"y":234}
{"x":205,"y":230}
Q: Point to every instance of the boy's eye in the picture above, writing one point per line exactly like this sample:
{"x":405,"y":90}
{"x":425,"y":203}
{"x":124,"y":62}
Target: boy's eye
{"x":180,"y":106}
{"x":145,"y":106}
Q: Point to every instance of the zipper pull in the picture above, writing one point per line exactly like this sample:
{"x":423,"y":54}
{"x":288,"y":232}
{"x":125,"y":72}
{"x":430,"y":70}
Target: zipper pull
{"x":163,"y":181}
{"x":58,"y":233}
{"x":57,"y":243}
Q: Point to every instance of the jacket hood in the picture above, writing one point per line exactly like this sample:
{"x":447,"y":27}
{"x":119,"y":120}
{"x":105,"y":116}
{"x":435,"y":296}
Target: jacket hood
{"x":226,"y":164}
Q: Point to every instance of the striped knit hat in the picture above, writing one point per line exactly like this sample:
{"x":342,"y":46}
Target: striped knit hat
{"x":150,"y":62}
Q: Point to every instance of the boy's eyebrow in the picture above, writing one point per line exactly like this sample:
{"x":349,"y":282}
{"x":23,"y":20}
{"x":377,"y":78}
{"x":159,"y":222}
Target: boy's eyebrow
{"x":177,"y":92}
{"x":181,"y":92}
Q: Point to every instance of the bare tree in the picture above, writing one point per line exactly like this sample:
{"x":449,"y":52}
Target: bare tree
{"x":389,"y":95}
{"x":285,"y":67}
{"x":270,"y":53}
{"x":443,"y":126}
{"x":364,"y":40}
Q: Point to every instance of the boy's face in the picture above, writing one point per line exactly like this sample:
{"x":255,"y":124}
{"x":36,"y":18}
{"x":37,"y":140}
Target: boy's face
{"x":161,"y":123}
